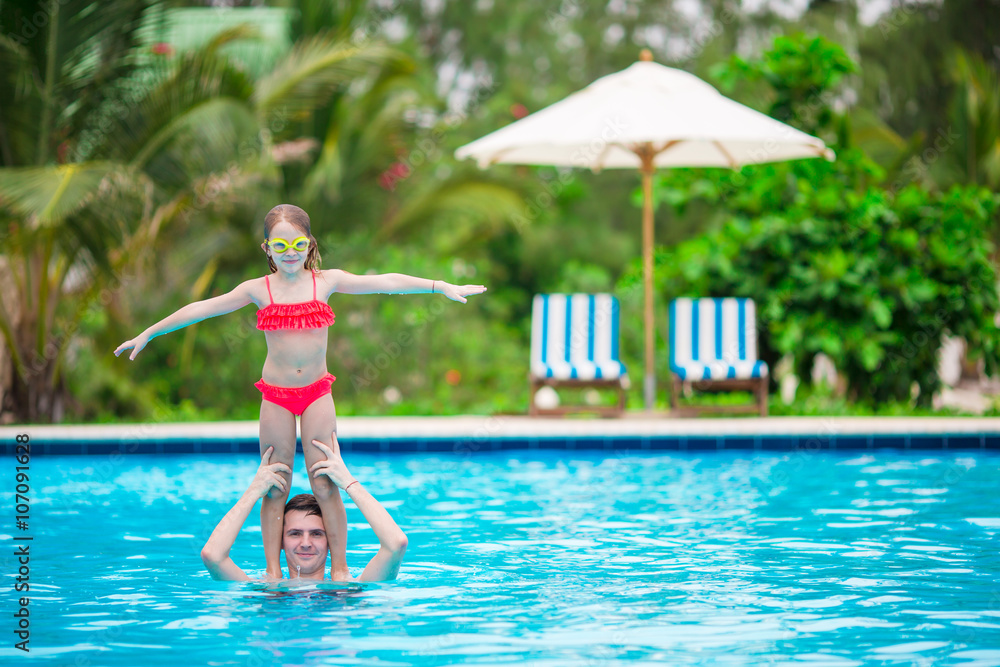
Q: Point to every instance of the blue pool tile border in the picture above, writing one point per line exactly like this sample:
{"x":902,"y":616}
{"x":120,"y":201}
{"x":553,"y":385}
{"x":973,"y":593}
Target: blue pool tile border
{"x":470,"y":446}
{"x":965,"y":441}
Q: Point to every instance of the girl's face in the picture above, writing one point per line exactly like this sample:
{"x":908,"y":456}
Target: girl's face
{"x":291,"y":260}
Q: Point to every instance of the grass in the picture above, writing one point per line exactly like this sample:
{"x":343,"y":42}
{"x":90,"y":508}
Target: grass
{"x":823,"y":402}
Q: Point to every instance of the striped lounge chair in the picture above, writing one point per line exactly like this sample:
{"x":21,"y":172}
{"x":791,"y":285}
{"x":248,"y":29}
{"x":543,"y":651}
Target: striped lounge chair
{"x":713,"y":345}
{"x":574,"y":342}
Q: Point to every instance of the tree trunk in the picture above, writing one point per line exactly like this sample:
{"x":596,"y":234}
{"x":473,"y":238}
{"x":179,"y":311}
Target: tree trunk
{"x":31,"y":393}
{"x":6,"y":383}
{"x":35,"y":398}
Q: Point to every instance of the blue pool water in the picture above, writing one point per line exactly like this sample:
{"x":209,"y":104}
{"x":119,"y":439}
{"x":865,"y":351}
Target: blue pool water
{"x":547,"y":558}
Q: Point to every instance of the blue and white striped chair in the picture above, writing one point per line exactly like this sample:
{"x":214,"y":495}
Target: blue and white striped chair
{"x":574,"y":342}
{"x":713,"y":344}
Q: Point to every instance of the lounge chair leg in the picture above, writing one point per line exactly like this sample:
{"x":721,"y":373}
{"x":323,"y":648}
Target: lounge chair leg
{"x":762,"y":396}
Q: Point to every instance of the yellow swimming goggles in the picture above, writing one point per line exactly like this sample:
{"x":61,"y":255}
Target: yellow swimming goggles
{"x":279,"y":246}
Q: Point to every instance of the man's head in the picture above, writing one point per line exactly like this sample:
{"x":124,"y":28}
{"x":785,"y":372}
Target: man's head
{"x":303,"y":537}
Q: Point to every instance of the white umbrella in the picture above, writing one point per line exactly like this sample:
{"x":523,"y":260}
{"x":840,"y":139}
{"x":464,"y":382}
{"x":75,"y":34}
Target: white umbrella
{"x":644,"y":117}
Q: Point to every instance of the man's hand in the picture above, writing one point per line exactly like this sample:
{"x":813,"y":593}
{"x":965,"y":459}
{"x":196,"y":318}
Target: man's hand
{"x":215,"y":553}
{"x":459,"y":292}
{"x":392,"y":541}
{"x":333,"y":467}
{"x":267,"y":476}
{"x":136,"y":345}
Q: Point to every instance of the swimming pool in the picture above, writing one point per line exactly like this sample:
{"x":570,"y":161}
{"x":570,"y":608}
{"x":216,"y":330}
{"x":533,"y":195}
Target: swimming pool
{"x":547,"y":557}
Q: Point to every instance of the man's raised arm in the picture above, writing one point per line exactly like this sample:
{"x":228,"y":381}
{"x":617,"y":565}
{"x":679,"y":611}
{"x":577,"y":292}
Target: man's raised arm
{"x":215,"y":553}
{"x":384,"y":565}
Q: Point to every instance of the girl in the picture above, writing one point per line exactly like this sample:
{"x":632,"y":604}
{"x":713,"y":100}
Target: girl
{"x":293,"y":314}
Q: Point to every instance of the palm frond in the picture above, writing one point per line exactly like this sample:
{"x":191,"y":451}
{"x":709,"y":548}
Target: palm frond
{"x":323,"y":182}
{"x":94,"y":236}
{"x":383,"y":115}
{"x":48,"y":195}
{"x":363,"y":134}
{"x":228,"y":36}
{"x":472,"y":209}
{"x":975,"y":114}
{"x":202,"y":140}
{"x":200,"y":76}
{"x":356,"y":142}
{"x":76,"y":52}
{"x":95,"y":48}
{"x":306,"y":78}
{"x":19,"y":117}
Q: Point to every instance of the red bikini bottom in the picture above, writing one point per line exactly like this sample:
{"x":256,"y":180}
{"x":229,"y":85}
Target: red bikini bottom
{"x":295,"y":399}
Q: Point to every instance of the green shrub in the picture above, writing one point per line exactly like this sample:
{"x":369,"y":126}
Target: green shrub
{"x":874,"y":285}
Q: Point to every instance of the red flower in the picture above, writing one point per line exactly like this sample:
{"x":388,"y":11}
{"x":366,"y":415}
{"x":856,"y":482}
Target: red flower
{"x":387,"y":181}
{"x":518,"y":110}
{"x":162,"y":49}
{"x":397,"y":171}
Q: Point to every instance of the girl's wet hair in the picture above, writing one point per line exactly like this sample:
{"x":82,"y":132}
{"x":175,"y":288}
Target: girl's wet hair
{"x":300,"y":220}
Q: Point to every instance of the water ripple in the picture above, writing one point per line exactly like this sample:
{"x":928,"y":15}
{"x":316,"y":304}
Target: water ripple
{"x":551,"y":558}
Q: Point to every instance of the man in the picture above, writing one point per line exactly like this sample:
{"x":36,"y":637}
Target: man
{"x":304,"y":533}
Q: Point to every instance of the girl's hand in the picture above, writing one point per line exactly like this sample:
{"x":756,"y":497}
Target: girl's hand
{"x":459,"y":292}
{"x":267,"y":476}
{"x":333,"y":466}
{"x":138,"y":343}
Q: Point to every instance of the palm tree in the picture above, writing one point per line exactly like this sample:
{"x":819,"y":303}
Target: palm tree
{"x":366,"y":158}
{"x":56,"y":71}
{"x":975,"y":113}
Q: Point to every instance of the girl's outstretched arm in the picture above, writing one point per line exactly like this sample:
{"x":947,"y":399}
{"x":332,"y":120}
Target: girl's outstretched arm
{"x":398,"y":283}
{"x":189,"y":314}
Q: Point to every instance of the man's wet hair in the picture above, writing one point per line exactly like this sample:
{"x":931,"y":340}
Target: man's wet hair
{"x":304,"y":502}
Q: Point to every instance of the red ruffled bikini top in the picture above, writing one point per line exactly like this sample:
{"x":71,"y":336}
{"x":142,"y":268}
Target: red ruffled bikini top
{"x":306,"y":315}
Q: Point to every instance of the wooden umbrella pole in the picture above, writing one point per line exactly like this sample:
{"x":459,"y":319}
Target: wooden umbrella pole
{"x":649,"y":381}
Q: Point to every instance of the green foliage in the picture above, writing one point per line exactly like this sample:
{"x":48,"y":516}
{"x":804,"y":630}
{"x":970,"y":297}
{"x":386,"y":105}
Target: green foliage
{"x":874,"y":286}
{"x":798,"y":69}
{"x":188,"y":141}
{"x":235,"y":122}
{"x":871,"y":277}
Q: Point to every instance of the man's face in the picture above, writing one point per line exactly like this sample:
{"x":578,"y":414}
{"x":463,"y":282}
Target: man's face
{"x":305,"y":545}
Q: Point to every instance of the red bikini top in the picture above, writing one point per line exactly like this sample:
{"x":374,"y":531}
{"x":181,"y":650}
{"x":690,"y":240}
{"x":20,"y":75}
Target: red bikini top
{"x":306,"y":315}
